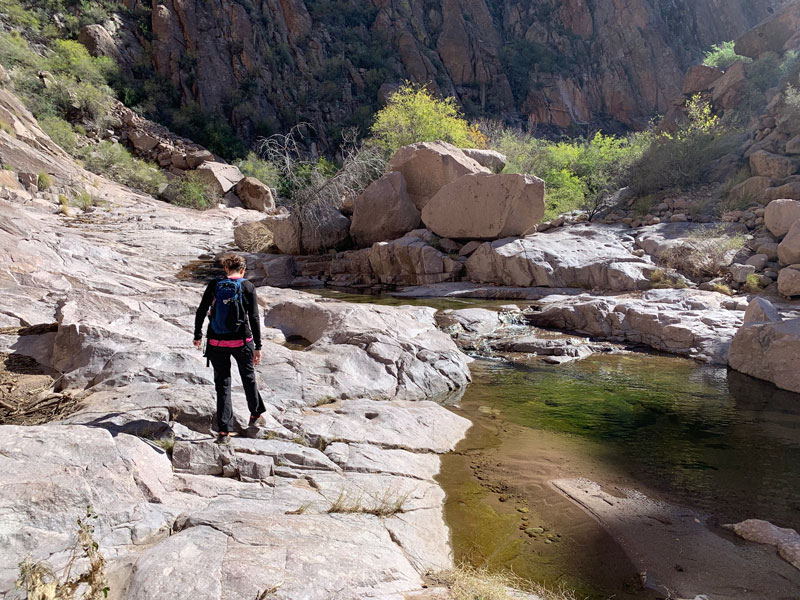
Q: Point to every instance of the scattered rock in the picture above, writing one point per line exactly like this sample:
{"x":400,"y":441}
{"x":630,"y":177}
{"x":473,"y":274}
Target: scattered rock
{"x":789,"y":248}
{"x":789,"y":281}
{"x":776,"y":166}
{"x":780,"y":215}
{"x":255,"y":195}
{"x":220,"y":176}
{"x":761,"y":310}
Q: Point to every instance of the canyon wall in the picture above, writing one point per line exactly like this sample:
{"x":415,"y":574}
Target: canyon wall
{"x":556,"y":64}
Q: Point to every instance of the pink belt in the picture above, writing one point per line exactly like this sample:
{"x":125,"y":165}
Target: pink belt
{"x":228,"y":343}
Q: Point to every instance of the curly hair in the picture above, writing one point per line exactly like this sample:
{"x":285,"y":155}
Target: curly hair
{"x":233,"y":262}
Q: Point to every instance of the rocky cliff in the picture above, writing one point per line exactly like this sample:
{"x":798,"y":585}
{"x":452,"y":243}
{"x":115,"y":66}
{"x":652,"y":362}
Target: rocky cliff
{"x":265,"y":65}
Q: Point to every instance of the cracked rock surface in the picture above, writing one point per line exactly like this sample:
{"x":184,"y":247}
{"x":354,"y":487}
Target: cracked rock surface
{"x":333,"y":497}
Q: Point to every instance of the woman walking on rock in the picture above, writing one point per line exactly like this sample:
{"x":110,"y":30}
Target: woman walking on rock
{"x":233,"y":331}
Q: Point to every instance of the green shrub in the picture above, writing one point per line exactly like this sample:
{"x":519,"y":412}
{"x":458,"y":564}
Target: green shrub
{"x":578,"y":174}
{"x":209,"y":130}
{"x":71,"y":59}
{"x":60,"y":132}
{"x":15,"y":52}
{"x":115,"y":162}
{"x":192,"y":191}
{"x":44,"y":182}
{"x":684,"y":158}
{"x":413,"y":114}
{"x":753,"y":284}
{"x":723,"y":56}
{"x":264,"y":171}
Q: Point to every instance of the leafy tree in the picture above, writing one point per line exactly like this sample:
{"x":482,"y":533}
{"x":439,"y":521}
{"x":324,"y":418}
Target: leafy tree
{"x":413,"y":114}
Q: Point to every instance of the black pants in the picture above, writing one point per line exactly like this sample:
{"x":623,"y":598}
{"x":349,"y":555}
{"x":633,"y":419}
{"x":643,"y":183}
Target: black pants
{"x":220,"y":359}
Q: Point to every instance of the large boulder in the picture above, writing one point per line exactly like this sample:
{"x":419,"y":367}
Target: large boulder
{"x":780,"y":215}
{"x":412,"y":260}
{"x":589,"y":258}
{"x":286,"y":232}
{"x":484,"y":206}
{"x":254,"y":236}
{"x":699,"y":78}
{"x":789,"y":281}
{"x":727,"y":90}
{"x":789,"y":190}
{"x":789,"y":248}
{"x":99,"y":42}
{"x":751,"y":189}
{"x":323,"y":229}
{"x":255,"y":195}
{"x":761,"y":310}
{"x":220,"y":176}
{"x":383,"y":211}
{"x":491,"y":159}
{"x":769,"y":351}
{"x":770,"y":35}
{"x":428,"y":166}
{"x":772,"y":165}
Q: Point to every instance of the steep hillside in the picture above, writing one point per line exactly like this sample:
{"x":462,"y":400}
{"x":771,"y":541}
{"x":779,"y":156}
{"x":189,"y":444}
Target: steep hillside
{"x":266,"y":65}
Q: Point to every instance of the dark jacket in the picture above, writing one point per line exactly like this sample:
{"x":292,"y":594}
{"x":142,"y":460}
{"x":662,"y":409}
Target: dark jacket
{"x":252,"y":327}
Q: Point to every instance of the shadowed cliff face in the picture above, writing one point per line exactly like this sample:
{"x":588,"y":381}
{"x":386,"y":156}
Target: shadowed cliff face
{"x":265,"y":64}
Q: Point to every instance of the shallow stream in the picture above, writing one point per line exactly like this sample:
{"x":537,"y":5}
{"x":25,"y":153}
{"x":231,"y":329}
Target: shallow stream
{"x":693,"y":435}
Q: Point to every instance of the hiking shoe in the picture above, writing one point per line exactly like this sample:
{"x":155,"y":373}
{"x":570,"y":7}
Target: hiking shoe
{"x":257,"y":420}
{"x":224,"y":439}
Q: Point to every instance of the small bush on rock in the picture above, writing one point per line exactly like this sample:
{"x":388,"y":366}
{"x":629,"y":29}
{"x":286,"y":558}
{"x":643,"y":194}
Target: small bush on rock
{"x":60,"y":132}
{"x":723,"y":56}
{"x":44,"y":182}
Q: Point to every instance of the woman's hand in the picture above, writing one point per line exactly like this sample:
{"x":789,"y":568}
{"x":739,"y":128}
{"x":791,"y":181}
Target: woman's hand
{"x":198,"y":343}
{"x":256,"y":357}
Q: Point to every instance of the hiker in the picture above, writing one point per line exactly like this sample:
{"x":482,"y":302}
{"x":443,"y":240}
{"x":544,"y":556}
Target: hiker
{"x":233,"y":331}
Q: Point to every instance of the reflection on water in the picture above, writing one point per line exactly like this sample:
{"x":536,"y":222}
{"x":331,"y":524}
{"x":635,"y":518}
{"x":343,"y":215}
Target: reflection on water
{"x":722,"y":442}
{"x":437,"y":303}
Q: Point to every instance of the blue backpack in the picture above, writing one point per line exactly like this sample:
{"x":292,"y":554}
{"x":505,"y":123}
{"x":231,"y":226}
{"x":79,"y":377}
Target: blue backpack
{"x":227,"y":312}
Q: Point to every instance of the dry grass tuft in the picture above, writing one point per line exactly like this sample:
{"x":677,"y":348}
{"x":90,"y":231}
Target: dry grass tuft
{"x":39,"y":581}
{"x":391,"y":502}
{"x":468,"y":583}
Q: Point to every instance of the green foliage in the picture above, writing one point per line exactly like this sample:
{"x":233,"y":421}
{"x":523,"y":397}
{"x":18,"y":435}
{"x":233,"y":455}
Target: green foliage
{"x":75,"y":87}
{"x":578,"y":174}
{"x":60,"y":132}
{"x":71,"y":58}
{"x":413,"y":114}
{"x":209,"y":130}
{"x":44,"y":182}
{"x":660,"y":279}
{"x":753,"y":284}
{"x":194,"y":192}
{"x":115,"y":162}
{"x":723,"y":56}
{"x":264,"y":171}
{"x":684,"y":158}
